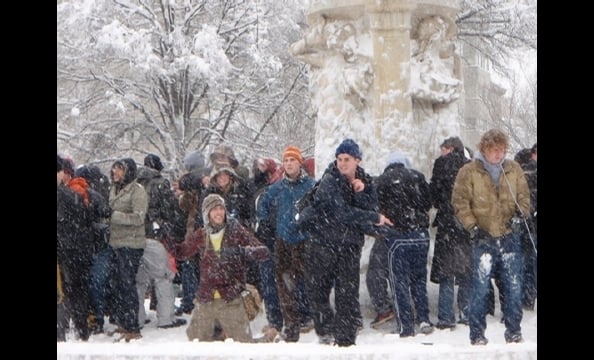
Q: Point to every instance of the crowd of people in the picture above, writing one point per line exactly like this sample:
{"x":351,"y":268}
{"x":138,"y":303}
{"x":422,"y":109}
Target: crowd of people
{"x":224,"y":233}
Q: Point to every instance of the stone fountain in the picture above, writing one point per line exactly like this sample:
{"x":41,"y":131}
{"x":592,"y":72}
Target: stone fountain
{"x":385,"y":73}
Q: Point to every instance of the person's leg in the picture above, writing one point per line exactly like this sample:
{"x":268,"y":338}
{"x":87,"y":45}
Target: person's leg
{"x":287,"y":260}
{"x":156,"y":262}
{"x":529,"y":289}
{"x":111,"y":295}
{"x":128,"y":260}
{"x":142,"y":283}
{"x":202,"y":323}
{"x":76,"y":276}
{"x":165,"y":302}
{"x":61,"y":322}
{"x":303,"y":301}
{"x":418,"y":280}
{"x":270,"y":291}
{"x":377,"y":278}
{"x":445,"y":302}
{"x":189,"y":282}
{"x":320,"y":264}
{"x":482,"y":268}
{"x":463,"y":297}
{"x":510,"y":268}
{"x":234,"y":320}
{"x":346,"y":295}
{"x":400,"y":283}
{"x":101,"y":270}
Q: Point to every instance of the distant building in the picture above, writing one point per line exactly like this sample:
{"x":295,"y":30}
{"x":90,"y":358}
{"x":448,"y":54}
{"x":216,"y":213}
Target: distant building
{"x":478,"y":86}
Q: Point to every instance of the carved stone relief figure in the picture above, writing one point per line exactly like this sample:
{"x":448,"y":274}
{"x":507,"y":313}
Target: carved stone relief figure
{"x":435,"y":66}
{"x":341,"y":77}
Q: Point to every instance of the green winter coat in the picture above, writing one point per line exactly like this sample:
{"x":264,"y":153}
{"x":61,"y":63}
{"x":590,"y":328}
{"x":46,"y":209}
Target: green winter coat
{"x":476,"y":201}
{"x":127,"y":220}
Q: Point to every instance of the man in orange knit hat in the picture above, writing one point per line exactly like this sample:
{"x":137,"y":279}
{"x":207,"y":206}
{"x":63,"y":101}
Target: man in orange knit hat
{"x":277,"y":207}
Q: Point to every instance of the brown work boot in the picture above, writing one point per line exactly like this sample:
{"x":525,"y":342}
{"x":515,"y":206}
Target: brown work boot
{"x":118,"y":330}
{"x":382,"y":318}
{"x":270,"y":334}
{"x":128,"y":336}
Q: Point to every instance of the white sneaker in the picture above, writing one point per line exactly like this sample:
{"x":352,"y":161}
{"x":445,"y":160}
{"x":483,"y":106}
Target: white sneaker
{"x":426,"y":328}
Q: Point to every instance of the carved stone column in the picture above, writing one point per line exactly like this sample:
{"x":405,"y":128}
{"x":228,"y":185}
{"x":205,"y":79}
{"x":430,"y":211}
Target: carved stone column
{"x":390,"y":25}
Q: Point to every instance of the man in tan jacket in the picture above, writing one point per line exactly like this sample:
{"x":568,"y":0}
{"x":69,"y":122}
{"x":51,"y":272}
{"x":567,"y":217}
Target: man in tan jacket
{"x":491,"y":199}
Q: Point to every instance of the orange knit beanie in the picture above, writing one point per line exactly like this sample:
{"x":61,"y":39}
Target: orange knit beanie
{"x":295,"y":152}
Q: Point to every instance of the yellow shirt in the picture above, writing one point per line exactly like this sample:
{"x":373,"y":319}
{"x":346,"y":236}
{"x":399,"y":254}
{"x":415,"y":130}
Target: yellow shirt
{"x":216,"y":240}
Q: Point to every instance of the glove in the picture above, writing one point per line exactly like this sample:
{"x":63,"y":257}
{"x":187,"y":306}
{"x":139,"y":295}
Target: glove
{"x":515,"y":223}
{"x":232,"y":254}
{"x":458,"y":225}
{"x":478,"y":235}
{"x":257,"y":253}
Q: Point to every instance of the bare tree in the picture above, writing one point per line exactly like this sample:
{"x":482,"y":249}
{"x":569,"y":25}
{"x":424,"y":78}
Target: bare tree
{"x":172,"y":77}
{"x":516,"y":112}
{"x":504,"y":32}
{"x":498,"y":28}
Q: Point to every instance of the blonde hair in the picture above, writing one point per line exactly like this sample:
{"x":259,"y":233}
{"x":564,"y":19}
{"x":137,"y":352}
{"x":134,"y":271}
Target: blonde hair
{"x":492,"y":138}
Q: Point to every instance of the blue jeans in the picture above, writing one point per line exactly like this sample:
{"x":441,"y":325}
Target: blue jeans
{"x":189,"y":283}
{"x":501,"y":256}
{"x":407,"y":258}
{"x":463,"y":300}
{"x":445,"y":303}
{"x":270,"y":294}
{"x":100,"y":274}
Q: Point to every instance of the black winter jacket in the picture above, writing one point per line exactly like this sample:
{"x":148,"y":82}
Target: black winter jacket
{"x":163,"y":208}
{"x":452,"y":251}
{"x":344,"y":215}
{"x":404,"y":198}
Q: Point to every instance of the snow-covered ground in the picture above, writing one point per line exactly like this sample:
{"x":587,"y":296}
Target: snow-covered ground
{"x":172,"y":344}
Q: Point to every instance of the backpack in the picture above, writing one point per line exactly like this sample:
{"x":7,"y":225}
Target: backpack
{"x":265,"y":229}
{"x":306,"y":215}
{"x":164,"y":210}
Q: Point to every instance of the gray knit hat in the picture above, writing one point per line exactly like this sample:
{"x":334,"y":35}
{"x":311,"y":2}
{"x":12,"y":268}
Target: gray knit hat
{"x":194,"y":161}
